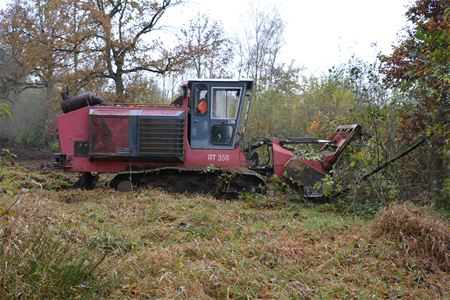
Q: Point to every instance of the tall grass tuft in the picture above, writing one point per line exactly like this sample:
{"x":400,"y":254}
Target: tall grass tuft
{"x":418,"y":231}
{"x":37,"y":264}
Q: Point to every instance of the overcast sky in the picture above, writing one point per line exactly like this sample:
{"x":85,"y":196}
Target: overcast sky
{"x":319,"y":33}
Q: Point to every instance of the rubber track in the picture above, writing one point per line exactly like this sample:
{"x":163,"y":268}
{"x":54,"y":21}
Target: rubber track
{"x":199,"y":171}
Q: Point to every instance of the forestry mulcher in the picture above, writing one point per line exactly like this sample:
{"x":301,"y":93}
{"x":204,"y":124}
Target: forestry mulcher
{"x":193,"y":145}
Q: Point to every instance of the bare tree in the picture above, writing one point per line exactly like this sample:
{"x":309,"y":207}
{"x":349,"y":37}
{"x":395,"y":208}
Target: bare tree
{"x":209,"y":48}
{"x":259,"y":48}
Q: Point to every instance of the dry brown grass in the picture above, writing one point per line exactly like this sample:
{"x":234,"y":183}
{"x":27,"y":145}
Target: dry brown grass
{"x":419,"y":231}
{"x":35,"y":263}
{"x":168,"y":246}
{"x":74,"y":196}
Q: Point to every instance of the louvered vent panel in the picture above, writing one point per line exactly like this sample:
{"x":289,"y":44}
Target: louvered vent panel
{"x":161,"y":139}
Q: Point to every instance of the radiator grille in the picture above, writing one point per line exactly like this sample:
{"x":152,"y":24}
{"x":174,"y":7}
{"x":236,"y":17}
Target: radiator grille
{"x":161,"y":138}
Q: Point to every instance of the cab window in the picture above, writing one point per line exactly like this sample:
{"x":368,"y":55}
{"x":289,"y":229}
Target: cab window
{"x":221,"y":134}
{"x":225,"y":103}
{"x":201,"y":100}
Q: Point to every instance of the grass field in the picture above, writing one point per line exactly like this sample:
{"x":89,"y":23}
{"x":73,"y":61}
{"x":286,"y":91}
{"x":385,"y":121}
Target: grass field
{"x":62,"y":243}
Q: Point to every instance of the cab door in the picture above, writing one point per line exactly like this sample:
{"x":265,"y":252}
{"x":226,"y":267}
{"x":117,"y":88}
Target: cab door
{"x":225,"y":107}
{"x":214,"y":114}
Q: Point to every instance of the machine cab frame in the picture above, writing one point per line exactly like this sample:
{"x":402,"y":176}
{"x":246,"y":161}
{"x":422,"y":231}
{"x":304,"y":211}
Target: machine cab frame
{"x":216,"y":112}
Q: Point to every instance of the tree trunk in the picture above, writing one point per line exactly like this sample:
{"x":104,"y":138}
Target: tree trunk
{"x":119,"y":87}
{"x":46,"y":139}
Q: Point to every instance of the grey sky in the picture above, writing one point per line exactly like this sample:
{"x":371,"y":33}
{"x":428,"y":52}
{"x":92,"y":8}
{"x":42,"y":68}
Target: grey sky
{"x":319,"y":33}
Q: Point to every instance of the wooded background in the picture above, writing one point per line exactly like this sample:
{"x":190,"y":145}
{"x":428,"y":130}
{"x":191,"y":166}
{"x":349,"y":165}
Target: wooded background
{"x":116,"y":49}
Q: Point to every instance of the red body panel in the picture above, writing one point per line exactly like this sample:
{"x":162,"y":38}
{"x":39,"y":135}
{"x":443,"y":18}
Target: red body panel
{"x":111,"y":139}
{"x":281,"y":156}
{"x":73,"y":126}
{"x":314,"y":164}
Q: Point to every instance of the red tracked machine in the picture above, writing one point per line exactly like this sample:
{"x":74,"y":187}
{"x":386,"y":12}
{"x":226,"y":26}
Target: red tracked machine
{"x":194,"y":145}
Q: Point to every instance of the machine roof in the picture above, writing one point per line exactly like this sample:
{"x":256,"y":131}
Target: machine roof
{"x":248,"y":81}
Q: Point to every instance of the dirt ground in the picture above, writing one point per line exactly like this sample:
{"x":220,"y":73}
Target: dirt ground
{"x":40,"y":161}
{"x":33,"y":158}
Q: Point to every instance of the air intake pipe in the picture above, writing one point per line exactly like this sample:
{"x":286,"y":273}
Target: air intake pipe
{"x":79,"y":101}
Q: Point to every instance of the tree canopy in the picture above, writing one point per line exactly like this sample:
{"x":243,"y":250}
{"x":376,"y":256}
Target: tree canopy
{"x":92,"y":40}
{"x":419,"y":67}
